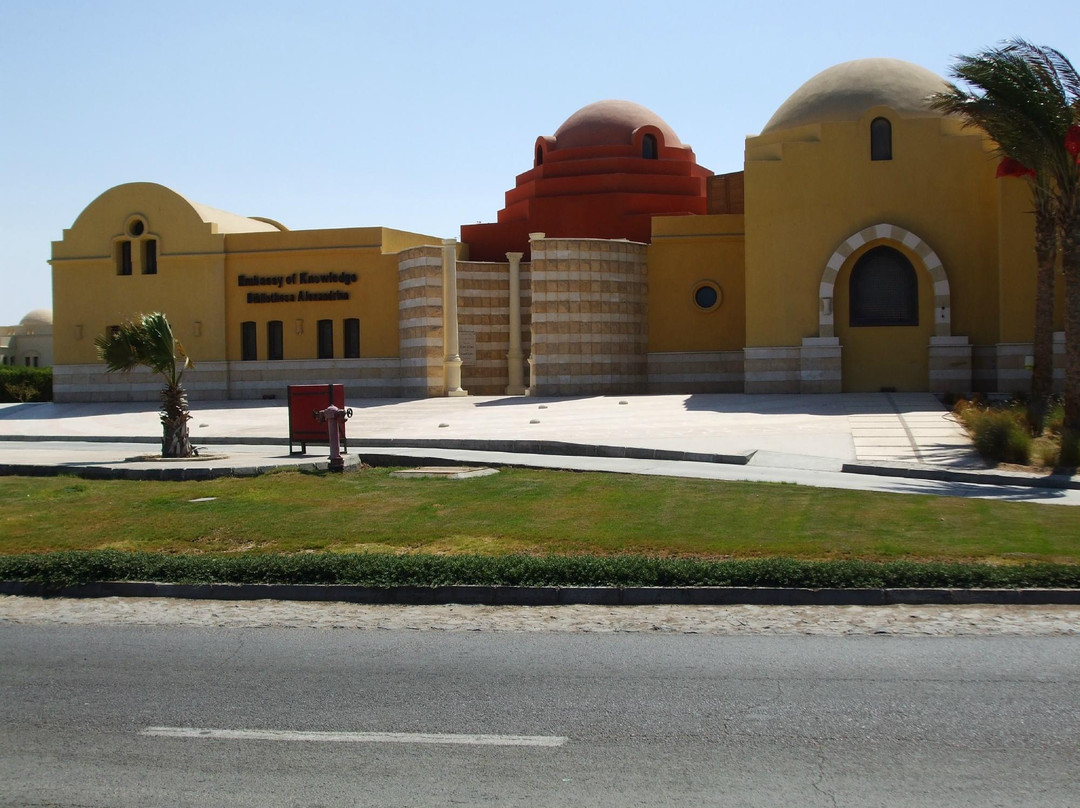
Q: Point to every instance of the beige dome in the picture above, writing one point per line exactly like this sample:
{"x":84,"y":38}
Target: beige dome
{"x":37,"y":317}
{"x":846,"y":91}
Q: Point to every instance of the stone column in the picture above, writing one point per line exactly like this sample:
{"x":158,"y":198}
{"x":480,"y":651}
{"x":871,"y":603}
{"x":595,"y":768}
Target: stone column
{"x":516,"y":387}
{"x":452,"y":364}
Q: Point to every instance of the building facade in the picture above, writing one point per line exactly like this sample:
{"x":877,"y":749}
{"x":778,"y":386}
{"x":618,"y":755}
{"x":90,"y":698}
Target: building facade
{"x":866,"y":246}
{"x":30,"y":343}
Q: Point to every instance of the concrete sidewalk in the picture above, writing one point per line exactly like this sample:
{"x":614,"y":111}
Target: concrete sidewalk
{"x":812,"y":440}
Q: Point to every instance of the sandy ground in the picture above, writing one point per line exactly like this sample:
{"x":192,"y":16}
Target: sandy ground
{"x":714,"y":620}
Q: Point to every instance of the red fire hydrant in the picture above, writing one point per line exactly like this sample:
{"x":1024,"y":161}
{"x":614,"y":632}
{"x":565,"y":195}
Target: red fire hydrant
{"x":334,"y":418}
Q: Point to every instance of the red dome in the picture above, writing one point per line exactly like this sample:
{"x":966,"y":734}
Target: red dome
{"x":610,"y":123}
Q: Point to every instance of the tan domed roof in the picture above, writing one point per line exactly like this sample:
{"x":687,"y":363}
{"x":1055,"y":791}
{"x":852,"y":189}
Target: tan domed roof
{"x":610,"y":123}
{"x":846,"y":91}
{"x":37,"y":317}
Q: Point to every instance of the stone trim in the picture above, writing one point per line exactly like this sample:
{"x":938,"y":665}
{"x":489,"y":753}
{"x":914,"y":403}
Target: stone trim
{"x":885,"y":232}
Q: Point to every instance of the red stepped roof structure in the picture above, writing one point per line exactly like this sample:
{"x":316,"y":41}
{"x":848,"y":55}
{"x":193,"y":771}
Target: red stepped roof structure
{"x":605,"y":173}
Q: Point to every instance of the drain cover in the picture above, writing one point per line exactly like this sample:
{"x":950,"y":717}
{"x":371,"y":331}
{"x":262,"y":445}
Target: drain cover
{"x":446,"y":472}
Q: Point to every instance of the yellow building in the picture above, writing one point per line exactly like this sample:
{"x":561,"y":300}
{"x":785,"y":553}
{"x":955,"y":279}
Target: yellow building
{"x":866,"y":246}
{"x":30,"y":342}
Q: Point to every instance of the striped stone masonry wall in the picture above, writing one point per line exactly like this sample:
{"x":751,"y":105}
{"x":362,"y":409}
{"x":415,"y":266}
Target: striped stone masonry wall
{"x":208,"y":381}
{"x":420,"y":322}
{"x":819,"y":365}
{"x":589,"y":317}
{"x":773,"y":370}
{"x":216,"y":381}
{"x":695,"y":372}
{"x":363,"y":378}
{"x":1014,"y":376}
{"x":950,"y":365}
{"x":484,"y":324}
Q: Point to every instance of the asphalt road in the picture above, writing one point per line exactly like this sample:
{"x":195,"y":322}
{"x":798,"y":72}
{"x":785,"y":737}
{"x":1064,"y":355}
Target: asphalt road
{"x":89,"y":716}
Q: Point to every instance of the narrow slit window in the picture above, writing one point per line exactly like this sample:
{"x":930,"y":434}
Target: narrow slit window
{"x":123,"y":258}
{"x":249,"y":350}
{"x":275,"y":347}
{"x":539,"y":155}
{"x":352,"y":338}
{"x":880,"y":139}
{"x":149,"y":264}
{"x":325,"y":329}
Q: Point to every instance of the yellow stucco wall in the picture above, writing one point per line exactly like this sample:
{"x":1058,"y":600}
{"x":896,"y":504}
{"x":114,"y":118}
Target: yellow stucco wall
{"x":367,"y":272}
{"x":89,"y":295}
{"x":809,"y":189}
{"x":685,"y":251}
{"x":1016,"y":246}
{"x":202,"y":252}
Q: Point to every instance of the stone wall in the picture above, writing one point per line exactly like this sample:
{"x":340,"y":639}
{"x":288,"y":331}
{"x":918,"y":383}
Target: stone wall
{"x":484,"y":324}
{"x":420,"y":321}
{"x":695,"y":372}
{"x":589,"y":317}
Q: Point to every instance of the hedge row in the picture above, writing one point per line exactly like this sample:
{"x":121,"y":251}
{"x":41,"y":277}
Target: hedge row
{"x":19,"y":383}
{"x":56,"y":570}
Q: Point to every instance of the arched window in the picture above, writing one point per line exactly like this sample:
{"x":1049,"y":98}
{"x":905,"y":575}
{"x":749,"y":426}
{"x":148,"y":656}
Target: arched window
{"x":649,"y":149}
{"x":880,"y":139}
{"x":539,"y":155}
{"x":884,"y":290}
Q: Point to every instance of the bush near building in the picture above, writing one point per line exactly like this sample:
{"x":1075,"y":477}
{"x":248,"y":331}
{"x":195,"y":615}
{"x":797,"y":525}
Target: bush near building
{"x":1004,"y":433}
{"x":18,"y":383}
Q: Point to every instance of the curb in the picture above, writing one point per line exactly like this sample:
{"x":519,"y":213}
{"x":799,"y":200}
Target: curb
{"x":987,"y":477}
{"x":549,"y":595}
{"x":168,"y":473}
{"x":540,"y":447}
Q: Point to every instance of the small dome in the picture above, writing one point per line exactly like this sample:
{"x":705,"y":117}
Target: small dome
{"x":846,"y":91}
{"x":37,"y":317}
{"x":610,"y":123}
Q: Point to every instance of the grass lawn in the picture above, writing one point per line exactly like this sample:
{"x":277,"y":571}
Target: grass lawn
{"x":524,"y":511}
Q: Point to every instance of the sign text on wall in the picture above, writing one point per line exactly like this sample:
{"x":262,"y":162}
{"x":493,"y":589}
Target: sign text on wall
{"x":296,"y":279}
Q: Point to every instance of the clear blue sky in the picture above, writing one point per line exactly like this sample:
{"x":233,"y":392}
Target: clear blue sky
{"x":415,"y":115}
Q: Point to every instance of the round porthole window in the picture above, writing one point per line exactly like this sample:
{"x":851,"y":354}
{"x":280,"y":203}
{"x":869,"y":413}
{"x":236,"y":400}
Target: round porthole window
{"x":136,"y":227}
{"x":707,"y":295}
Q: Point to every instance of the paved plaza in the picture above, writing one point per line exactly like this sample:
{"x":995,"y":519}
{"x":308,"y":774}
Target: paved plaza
{"x":887,"y":441}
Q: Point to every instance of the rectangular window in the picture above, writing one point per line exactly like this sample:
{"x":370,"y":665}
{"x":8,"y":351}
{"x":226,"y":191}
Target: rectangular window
{"x":249,"y":350}
{"x":123,"y":259}
{"x":352,"y":338}
{"x":149,"y":262}
{"x":326,"y":339}
{"x":274,"y":342}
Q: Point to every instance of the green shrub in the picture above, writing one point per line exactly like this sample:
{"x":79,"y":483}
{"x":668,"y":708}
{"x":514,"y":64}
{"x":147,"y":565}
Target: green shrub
{"x":18,"y":383}
{"x":1000,"y":435}
{"x":56,"y":570}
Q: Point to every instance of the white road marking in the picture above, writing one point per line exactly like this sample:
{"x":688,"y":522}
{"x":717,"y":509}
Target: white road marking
{"x":354,"y":737}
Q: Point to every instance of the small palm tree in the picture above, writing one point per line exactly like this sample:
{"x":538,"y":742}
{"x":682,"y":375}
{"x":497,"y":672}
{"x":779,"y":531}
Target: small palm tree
{"x":148,"y":341}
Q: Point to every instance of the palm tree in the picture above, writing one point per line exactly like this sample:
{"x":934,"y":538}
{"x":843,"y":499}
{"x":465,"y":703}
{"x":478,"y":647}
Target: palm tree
{"x":1028,"y":100}
{"x":148,"y":341}
{"x":1007,"y":99}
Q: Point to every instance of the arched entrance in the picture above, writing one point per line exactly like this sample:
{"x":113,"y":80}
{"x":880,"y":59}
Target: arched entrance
{"x":885,"y":295}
